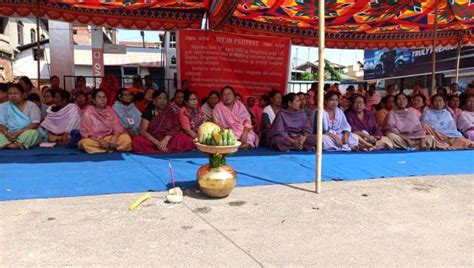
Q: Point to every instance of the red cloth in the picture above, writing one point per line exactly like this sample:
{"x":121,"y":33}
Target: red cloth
{"x":163,"y":124}
{"x":135,"y":90}
{"x":142,"y":105}
{"x":179,"y":143}
{"x":110,"y":86}
{"x":257,"y":112}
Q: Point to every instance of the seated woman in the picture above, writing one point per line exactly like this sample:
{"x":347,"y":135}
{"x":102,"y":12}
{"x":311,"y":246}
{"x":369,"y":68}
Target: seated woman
{"x":191,"y":116}
{"x":101,"y":129}
{"x":466,"y":119}
{"x":27,"y":85}
{"x":62,"y":122}
{"x":212,"y":99}
{"x":270,"y":112}
{"x":129,"y":115}
{"x":385,"y":106}
{"x":442,"y":91}
{"x":3,"y":92}
{"x":255,"y":111}
{"x":147,"y":98}
{"x":336,"y":129}
{"x":110,"y":85}
{"x":48,"y":100}
{"x":160,"y":130}
{"x":36,"y":99}
{"x":418,"y":102}
{"x":453,"y":106}
{"x":363,"y":125}
{"x":48,"y":97}
{"x":291,"y":129}
{"x":178,"y":101}
{"x":440,"y":124}
{"x":19,"y":121}
{"x":81,"y":87}
{"x":373,"y":97}
{"x":417,"y":90}
{"x":82,"y":102}
{"x":404,"y":129}
{"x":232,"y":114}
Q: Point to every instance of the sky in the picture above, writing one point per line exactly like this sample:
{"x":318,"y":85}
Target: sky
{"x":299,"y":54}
{"x":134,"y":35}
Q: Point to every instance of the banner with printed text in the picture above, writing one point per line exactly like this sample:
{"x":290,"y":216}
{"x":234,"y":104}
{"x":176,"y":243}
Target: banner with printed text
{"x":252,"y":65}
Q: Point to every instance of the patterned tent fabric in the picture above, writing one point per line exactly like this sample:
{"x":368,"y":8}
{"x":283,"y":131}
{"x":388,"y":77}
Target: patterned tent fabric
{"x":364,"y":24}
{"x":358,"y":23}
{"x":138,"y":14}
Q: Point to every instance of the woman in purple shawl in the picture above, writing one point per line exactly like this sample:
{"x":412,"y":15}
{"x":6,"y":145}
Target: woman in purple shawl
{"x":291,"y":129}
{"x":404,"y":129}
{"x":364,"y":125}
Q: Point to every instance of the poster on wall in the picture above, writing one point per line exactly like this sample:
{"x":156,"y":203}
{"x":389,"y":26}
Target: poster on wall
{"x":252,"y":65}
{"x":379,"y":64}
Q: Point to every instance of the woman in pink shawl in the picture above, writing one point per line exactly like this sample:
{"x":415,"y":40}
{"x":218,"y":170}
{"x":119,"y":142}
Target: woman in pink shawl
{"x":110,"y":86}
{"x":466,"y":119}
{"x":231,"y":113}
{"x":101,"y":129}
{"x":160,"y":131}
{"x":62,"y":122}
{"x":404,"y":129}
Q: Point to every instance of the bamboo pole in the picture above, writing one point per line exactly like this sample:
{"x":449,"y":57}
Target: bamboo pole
{"x":458,"y":61}
{"x":433,"y":63}
{"x":319,"y":132}
{"x":38,"y":44}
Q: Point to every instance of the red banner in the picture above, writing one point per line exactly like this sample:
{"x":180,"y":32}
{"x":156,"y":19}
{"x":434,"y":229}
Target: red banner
{"x":252,"y":65}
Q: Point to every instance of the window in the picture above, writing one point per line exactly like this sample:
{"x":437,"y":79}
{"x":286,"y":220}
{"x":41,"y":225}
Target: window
{"x":33,"y":35}
{"x":19,"y":30}
{"x":42,"y":37}
{"x":130,"y":71}
{"x":173,"y":40}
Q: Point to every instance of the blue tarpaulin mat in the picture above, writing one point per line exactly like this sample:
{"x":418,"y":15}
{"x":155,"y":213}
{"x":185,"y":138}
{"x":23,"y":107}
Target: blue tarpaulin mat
{"x":58,"y":172}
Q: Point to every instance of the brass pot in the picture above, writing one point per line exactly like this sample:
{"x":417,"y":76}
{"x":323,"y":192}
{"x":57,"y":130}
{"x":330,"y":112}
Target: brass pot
{"x":216,"y":181}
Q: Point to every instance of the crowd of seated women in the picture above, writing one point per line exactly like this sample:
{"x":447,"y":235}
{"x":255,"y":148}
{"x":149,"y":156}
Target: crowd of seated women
{"x":143,"y":119}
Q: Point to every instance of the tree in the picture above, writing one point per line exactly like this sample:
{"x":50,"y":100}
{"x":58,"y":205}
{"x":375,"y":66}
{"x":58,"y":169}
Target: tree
{"x":307,"y":76}
{"x":330,"y":73}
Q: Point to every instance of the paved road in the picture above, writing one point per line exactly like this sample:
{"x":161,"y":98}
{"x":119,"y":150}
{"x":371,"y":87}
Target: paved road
{"x":404,"y":222}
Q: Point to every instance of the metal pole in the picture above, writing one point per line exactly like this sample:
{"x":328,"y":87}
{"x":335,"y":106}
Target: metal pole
{"x":319,"y":129}
{"x":458,"y":61}
{"x":38,"y":45}
{"x":433,"y":64}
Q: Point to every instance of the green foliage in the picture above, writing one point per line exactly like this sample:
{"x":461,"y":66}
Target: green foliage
{"x":330,"y":73}
{"x":307,"y":76}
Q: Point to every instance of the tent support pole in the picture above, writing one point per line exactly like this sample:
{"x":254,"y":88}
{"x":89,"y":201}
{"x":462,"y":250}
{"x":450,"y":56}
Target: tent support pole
{"x":458,"y":61}
{"x":38,"y":45}
{"x":319,"y":134}
{"x":433,"y":63}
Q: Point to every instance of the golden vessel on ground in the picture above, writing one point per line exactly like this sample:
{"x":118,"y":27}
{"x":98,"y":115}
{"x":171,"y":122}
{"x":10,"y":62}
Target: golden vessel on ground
{"x":217,"y":179}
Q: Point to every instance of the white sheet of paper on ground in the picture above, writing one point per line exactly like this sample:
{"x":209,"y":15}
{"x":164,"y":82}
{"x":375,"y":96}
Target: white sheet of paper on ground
{"x":47,"y":144}
{"x":175,"y":195}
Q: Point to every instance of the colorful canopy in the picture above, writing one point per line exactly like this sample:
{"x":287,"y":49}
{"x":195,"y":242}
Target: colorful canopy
{"x":136,"y":14}
{"x":365,"y":24}
{"x":361,"y":24}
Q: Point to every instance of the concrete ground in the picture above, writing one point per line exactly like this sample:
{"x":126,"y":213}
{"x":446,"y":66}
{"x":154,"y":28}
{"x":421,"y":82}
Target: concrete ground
{"x":423,"y":221}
